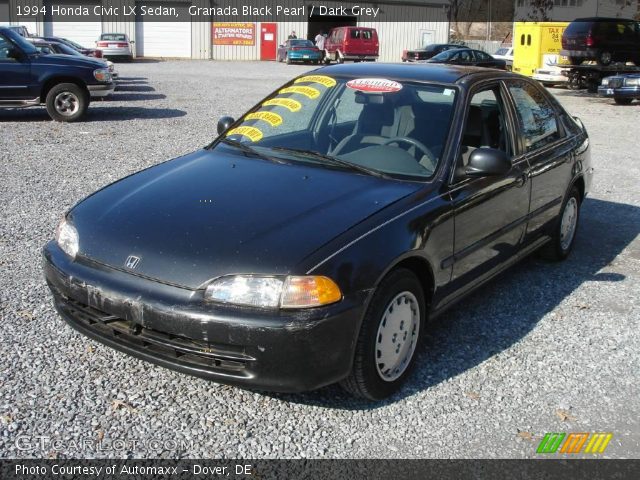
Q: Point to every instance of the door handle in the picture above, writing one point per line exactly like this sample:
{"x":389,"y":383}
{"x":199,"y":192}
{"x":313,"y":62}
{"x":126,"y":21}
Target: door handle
{"x":521,"y":180}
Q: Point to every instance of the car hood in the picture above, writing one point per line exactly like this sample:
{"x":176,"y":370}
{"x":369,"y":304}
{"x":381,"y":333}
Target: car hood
{"x":213,"y":213}
{"x":66,"y":60}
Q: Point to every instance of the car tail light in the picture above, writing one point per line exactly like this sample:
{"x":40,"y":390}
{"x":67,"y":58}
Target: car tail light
{"x":102,"y":44}
{"x":589,"y":41}
{"x":122,"y":45}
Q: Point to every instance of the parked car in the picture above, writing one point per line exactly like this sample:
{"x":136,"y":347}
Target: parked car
{"x":116,"y":45}
{"x":623,"y":88}
{"x":299,"y":50}
{"x":20,"y":30}
{"x":604,"y":40}
{"x":89,"y":52}
{"x":59,"y":48}
{"x":469,"y":57}
{"x":352,"y":43}
{"x":551,"y":74}
{"x":363,"y":226}
{"x":426,"y":52}
{"x":64,"y":83}
{"x":506,"y":54}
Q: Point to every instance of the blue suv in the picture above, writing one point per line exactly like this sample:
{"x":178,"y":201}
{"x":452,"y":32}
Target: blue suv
{"x":64,"y":83}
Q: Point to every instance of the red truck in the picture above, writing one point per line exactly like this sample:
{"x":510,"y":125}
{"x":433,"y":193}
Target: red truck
{"x":352,"y":43}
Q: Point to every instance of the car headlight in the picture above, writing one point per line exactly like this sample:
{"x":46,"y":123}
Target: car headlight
{"x":67,"y":238}
{"x":274,"y":292}
{"x":632,"y":82}
{"x":102,"y":75}
{"x":605,"y":81}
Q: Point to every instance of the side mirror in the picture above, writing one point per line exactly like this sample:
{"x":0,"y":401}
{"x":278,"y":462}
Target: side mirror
{"x":45,"y":50}
{"x":487,"y":162}
{"x":224,"y":123}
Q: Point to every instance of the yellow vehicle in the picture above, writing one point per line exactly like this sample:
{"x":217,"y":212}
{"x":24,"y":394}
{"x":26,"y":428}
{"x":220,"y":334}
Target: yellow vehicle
{"x":532,"y":41}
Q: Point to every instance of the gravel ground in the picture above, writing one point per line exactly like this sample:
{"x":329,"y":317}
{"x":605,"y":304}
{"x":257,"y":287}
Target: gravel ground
{"x":544,"y":348}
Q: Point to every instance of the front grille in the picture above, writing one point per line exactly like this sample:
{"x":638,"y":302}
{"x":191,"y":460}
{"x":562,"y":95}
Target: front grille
{"x":615,"y":82}
{"x":174,"y":348}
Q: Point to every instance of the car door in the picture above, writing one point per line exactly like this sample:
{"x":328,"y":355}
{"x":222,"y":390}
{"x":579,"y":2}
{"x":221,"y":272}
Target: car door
{"x":490,"y":212}
{"x":548,"y":150}
{"x":15,"y":72}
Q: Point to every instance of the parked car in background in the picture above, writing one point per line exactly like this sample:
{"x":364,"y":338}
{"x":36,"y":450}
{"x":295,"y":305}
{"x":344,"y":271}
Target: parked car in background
{"x":51,"y":47}
{"x":64,"y":83}
{"x":116,"y":45}
{"x":426,"y":52}
{"x":412,"y":220}
{"x":352,"y":43}
{"x":299,"y":50}
{"x":604,"y":40}
{"x":20,"y":30}
{"x":89,"y":52}
{"x":506,"y":54}
{"x":469,"y":57}
{"x":551,"y":74}
{"x":622,"y":88}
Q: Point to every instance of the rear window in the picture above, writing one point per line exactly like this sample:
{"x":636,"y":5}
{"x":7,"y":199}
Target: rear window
{"x":578,"y":28}
{"x":118,"y":37}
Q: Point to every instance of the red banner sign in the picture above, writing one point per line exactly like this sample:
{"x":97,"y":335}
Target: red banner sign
{"x":225,"y":33}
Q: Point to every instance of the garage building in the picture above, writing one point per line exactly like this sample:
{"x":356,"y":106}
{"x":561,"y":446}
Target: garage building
{"x":184,"y":39}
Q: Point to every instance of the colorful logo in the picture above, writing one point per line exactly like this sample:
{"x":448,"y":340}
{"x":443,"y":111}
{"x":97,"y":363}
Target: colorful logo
{"x":574,"y":443}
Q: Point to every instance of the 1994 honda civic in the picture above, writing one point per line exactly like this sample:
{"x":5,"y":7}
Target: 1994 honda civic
{"x":313,"y":239}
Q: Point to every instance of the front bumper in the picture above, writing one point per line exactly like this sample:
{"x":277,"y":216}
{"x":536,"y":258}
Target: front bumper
{"x":364,"y":58}
{"x":285,"y":351}
{"x":619,"y":92}
{"x":102,"y":90}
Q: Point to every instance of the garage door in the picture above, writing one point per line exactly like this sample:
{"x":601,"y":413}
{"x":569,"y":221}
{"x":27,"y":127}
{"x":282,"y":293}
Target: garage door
{"x":164,"y":39}
{"x":4,"y":12}
{"x":85,"y":33}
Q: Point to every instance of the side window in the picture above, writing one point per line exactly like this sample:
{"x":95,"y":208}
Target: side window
{"x":536,"y":114}
{"x":5,"y":49}
{"x":528,"y":40}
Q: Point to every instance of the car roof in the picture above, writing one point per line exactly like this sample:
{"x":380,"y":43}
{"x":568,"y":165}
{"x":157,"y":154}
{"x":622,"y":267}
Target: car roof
{"x":603,"y":19}
{"x":417,"y":72}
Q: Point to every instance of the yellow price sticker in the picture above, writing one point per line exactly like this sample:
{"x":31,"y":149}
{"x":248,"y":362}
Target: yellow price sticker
{"x":309,"y":92}
{"x":271,"y":118}
{"x":291,"y":105}
{"x":251,"y":133}
{"x":321,"y":79}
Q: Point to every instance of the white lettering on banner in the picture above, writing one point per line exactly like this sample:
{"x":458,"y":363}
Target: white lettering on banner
{"x":342,"y":11}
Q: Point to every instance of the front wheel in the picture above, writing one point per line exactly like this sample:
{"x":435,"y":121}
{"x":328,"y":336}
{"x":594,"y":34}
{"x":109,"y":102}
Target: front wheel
{"x":67,"y":102}
{"x":622,"y":101}
{"x":388,"y":337}
{"x":564,"y":233}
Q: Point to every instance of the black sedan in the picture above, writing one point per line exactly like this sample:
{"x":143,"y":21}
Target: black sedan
{"x":469,"y":57}
{"x":623,"y":88}
{"x":427,"y":51}
{"x":311,"y":242}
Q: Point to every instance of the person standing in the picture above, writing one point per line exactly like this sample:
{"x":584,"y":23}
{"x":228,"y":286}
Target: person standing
{"x":320,"y":38}
{"x":293,"y":35}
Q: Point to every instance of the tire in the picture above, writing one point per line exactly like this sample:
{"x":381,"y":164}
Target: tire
{"x":67,"y":102}
{"x":604,"y":58}
{"x":622,"y":101}
{"x":369,"y":378}
{"x":559,"y":248}
{"x":575,"y":60}
{"x":339,"y":58}
{"x":287,"y":59}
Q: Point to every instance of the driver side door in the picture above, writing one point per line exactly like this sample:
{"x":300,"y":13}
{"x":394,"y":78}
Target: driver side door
{"x":490,"y":213}
{"x":15,"y":73}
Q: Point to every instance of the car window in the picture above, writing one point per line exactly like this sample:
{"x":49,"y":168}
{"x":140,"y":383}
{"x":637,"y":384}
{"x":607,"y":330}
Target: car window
{"x":536,"y":114}
{"x":5,"y":48}
{"x":465,"y":56}
{"x":482,"y":56}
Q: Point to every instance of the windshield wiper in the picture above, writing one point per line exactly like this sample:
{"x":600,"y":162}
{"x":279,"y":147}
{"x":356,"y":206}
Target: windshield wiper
{"x":247,"y":149}
{"x":333,"y":160}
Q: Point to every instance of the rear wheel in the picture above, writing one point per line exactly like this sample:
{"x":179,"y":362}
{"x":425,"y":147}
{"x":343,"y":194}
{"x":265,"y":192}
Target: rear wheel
{"x":388,"y":337}
{"x":622,"y":101}
{"x":564,"y":233}
{"x":287,"y":59}
{"x":67,"y":102}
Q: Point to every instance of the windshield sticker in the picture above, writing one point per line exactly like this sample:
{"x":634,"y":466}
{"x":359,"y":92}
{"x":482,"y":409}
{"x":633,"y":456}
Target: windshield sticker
{"x":447,"y":92}
{"x":374,"y":85}
{"x":251,"y":133}
{"x":271,"y":118}
{"x":321,"y":79}
{"x":288,"y":103}
{"x":309,"y":92}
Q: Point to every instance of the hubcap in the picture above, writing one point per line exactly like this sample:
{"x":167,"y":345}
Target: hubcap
{"x":397,"y":336}
{"x":66,"y":103}
{"x":568,"y":224}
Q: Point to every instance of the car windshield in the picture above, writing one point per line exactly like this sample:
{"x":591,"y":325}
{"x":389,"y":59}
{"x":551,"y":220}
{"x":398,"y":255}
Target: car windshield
{"x":300,"y":43}
{"x":66,"y":50}
{"x":26,"y":46}
{"x":446,"y":55}
{"x":72,"y":44}
{"x":118,"y":37}
{"x":375,"y":125}
{"x":502,"y":51}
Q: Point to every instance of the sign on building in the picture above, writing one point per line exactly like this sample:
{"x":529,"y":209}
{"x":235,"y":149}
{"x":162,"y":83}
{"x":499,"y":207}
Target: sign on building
{"x":225,"y":33}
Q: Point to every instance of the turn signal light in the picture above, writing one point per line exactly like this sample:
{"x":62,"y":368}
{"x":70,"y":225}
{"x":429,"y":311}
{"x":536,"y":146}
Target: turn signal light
{"x":311,"y":291}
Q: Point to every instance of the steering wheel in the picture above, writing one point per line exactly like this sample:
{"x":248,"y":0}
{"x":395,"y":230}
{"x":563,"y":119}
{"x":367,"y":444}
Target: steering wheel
{"x":419,"y":145}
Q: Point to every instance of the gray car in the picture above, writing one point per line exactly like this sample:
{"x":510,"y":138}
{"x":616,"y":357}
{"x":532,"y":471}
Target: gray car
{"x":115,"y":45}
